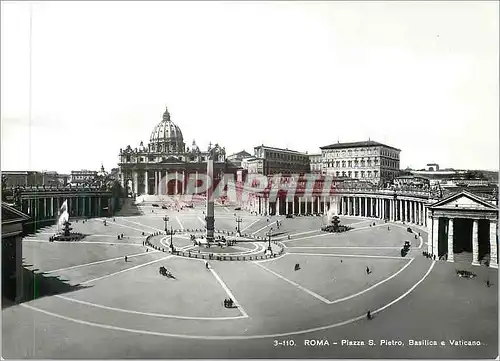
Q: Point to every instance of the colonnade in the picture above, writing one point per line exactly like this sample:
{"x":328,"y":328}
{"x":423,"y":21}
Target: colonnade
{"x":383,"y":207}
{"x":39,"y":208}
{"x":436,"y":223}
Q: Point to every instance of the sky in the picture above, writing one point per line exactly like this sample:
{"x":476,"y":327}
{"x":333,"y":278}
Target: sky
{"x":419,"y":76}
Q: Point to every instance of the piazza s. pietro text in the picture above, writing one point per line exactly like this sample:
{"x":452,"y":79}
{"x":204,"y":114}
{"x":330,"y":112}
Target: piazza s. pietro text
{"x":236,"y":180}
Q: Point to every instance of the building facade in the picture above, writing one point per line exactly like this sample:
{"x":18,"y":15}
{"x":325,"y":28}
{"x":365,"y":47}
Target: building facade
{"x":316,"y":163}
{"x":13,"y":222}
{"x":464,"y":226}
{"x":370,"y":160}
{"x":143,"y":169}
{"x":82,"y":177}
{"x":237,"y":158}
{"x":270,"y":160}
{"x":31,"y":178}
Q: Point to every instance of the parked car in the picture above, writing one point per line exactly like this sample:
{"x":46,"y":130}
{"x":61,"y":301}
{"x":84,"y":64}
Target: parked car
{"x":155,"y":205}
{"x":237,"y":209}
{"x":163,"y":207}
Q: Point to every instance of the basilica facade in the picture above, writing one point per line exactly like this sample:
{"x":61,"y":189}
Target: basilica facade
{"x":143,"y":169}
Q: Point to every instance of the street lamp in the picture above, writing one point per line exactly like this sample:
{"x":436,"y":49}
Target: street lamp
{"x":238,"y":221}
{"x":171,"y":239}
{"x":269,"y":235}
{"x":166,"y":219}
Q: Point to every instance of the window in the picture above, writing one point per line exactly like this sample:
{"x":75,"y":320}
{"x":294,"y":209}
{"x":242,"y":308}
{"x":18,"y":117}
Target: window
{"x":356,"y":174}
{"x":343,"y":164}
{"x":350,"y":174}
{"x":337,"y":173}
{"x":349,"y":163}
{"x":362,"y":174}
{"x":338,"y":164}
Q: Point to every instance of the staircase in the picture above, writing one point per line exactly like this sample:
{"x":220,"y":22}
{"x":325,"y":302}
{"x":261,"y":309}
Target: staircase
{"x":128,"y":209}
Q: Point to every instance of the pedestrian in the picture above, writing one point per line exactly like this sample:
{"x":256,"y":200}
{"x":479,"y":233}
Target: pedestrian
{"x":206,"y":264}
{"x":126,"y":259}
{"x":368,"y":270}
{"x":488,"y":284}
{"x":369,"y":315}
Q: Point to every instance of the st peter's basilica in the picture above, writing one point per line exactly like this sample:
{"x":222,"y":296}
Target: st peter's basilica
{"x":142,"y":168}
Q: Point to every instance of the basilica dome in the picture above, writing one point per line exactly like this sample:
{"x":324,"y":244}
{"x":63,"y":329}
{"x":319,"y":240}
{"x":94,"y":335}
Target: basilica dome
{"x":166,"y":136}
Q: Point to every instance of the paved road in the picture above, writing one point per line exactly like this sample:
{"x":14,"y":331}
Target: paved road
{"x":126,"y":311}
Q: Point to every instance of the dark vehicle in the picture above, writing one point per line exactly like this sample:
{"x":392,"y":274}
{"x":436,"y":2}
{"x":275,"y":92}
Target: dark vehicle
{"x":190,"y":206}
{"x":166,"y":273}
{"x":289,"y":216}
{"x":465,"y":274}
{"x":163,"y":207}
{"x":405,"y":249}
{"x":237,"y":209}
{"x":155,"y":205}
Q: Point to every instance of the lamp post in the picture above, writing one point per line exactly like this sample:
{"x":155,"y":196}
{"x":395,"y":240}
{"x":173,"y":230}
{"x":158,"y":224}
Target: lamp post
{"x":238,"y":221}
{"x":171,"y":239}
{"x":269,"y":235}
{"x":166,"y":219}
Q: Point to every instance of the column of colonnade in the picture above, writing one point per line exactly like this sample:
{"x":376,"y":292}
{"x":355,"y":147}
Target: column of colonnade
{"x":403,"y":210}
{"x":433,"y":223}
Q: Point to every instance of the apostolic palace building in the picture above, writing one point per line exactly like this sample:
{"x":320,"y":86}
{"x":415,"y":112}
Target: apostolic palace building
{"x":371,"y":161}
{"x":142,"y":168}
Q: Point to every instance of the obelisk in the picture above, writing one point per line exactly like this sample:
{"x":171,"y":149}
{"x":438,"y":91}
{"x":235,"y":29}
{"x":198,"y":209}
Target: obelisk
{"x":209,"y":219}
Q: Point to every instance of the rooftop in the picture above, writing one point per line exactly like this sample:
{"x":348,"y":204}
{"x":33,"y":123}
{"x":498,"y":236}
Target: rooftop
{"x":243,"y":153}
{"x":12,"y":215}
{"x":368,"y":143}
{"x":279,"y":149}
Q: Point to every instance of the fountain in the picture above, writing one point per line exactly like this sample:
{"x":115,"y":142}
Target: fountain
{"x":333,"y":223}
{"x":65,"y":233}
